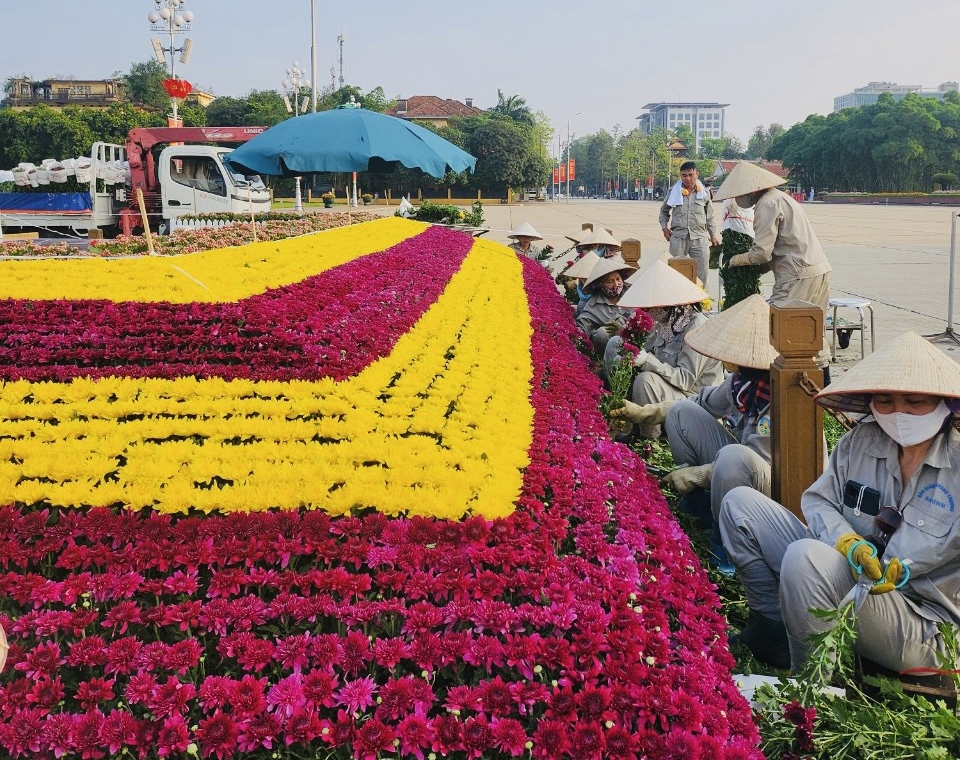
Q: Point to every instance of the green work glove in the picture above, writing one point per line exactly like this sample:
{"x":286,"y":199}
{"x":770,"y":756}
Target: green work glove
{"x":649,"y":414}
{"x":891,"y":577}
{"x":865,"y":555}
{"x":686,"y":479}
{"x":740,"y":260}
{"x":612,"y":328}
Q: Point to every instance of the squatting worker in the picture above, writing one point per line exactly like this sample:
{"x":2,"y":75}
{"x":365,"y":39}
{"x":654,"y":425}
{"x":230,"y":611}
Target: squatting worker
{"x":523,"y":238}
{"x":668,"y":368}
{"x":602,"y":317}
{"x":784,"y":240}
{"x":887,"y":500}
{"x":686,"y":218}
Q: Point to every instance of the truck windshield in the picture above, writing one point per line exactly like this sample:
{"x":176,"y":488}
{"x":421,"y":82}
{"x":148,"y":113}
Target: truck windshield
{"x":199,"y":172}
{"x":252,"y":180}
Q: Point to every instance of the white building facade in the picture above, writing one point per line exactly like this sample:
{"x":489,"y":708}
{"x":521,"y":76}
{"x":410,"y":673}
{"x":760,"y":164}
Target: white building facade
{"x":704,"y":119}
{"x":868,"y":95}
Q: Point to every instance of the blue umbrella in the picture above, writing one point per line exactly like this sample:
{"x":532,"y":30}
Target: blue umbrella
{"x":348,"y":139}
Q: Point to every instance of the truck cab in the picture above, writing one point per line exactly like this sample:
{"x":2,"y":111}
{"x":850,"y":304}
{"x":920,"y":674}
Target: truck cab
{"x":193,"y":179}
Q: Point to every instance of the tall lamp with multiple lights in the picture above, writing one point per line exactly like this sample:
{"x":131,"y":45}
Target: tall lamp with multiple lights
{"x":293,"y":85}
{"x":171,"y":17}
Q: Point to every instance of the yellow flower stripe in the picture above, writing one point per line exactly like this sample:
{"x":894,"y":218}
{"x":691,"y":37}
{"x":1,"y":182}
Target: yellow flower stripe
{"x":439,"y":427}
{"x":222,"y":275}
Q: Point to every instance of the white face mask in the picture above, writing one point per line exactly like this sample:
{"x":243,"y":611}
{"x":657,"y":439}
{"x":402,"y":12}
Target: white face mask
{"x":911,"y":429}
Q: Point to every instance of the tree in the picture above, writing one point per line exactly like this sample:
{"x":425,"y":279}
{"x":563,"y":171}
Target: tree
{"x":144,"y":84}
{"x":758,"y":146}
{"x":513,"y":107}
{"x":501,"y":149}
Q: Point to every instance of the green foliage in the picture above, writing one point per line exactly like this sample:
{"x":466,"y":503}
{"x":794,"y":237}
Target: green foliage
{"x":43,"y":132}
{"x":144,"y":84}
{"x":800,"y":715}
{"x":890,"y":146}
{"x":514,"y":108}
{"x":758,"y":146}
{"x":442,"y":213}
{"x":738,"y":282}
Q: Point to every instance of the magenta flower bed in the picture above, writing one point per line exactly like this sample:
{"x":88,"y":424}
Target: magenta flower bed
{"x":582,"y":626}
{"x":330,"y":325}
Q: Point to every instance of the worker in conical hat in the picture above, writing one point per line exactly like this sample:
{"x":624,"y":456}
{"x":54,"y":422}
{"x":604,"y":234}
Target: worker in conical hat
{"x":668,"y":368}
{"x":602,"y":317}
{"x":523,"y":238}
{"x":883,"y":512}
{"x":784,"y":239}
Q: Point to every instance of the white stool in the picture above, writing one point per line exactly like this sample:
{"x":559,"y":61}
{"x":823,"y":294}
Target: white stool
{"x":851,"y":303}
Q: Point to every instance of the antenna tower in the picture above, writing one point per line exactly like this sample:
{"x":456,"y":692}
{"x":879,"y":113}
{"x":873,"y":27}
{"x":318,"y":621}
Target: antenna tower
{"x":340,"y":39}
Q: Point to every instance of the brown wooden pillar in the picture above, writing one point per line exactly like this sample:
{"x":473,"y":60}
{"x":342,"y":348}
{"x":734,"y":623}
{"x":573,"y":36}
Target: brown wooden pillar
{"x":685,"y":265}
{"x":587,"y":226}
{"x":796,"y":435}
{"x":631,"y":251}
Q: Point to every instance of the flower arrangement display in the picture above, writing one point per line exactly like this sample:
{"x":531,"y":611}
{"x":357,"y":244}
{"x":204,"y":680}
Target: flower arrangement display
{"x":406,"y":533}
{"x":271,"y":226}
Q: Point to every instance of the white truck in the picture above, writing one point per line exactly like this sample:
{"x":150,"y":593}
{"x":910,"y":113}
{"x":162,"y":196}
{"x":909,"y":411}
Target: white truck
{"x":184,"y":179}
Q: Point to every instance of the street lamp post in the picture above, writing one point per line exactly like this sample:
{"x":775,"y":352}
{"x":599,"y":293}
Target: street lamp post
{"x":171,"y":17}
{"x":292,"y":87}
{"x":313,"y":54}
{"x":568,"y":153}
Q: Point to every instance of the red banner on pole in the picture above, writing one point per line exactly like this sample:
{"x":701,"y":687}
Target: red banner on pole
{"x":636,"y":184}
{"x":649,"y":180}
{"x":572,"y":168}
{"x":556,"y":175}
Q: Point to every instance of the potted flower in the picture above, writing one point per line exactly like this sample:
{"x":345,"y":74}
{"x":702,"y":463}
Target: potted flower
{"x":367,"y":199}
{"x":328,"y":198}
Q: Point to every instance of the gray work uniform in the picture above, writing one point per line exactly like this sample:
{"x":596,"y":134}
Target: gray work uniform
{"x":692,"y":227}
{"x":740,"y":453}
{"x":785,"y":241}
{"x":671,"y":371}
{"x":788,"y":568}
{"x":532,"y":253}
{"x":599,"y":310}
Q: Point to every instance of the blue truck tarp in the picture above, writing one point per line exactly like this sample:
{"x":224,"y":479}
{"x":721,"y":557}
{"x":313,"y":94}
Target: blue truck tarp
{"x":46,"y":203}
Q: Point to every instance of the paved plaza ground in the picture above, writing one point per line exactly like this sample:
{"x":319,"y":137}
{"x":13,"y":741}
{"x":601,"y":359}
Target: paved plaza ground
{"x":898,"y":257}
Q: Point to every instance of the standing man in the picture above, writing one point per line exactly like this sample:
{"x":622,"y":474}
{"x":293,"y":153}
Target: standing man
{"x":686,"y":218}
{"x":784,"y":240}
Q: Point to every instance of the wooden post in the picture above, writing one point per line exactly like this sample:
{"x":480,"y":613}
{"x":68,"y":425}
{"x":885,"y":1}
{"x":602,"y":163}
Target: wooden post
{"x":631,"y":251}
{"x":685,"y":265}
{"x":309,"y":195}
{"x":419,"y":195}
{"x":478,"y":195}
{"x":146,"y":222}
{"x":796,"y":435}
{"x":449,"y":194}
{"x":587,"y":226}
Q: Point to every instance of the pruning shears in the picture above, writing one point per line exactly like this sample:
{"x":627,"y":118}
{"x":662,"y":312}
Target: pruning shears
{"x":861,"y":589}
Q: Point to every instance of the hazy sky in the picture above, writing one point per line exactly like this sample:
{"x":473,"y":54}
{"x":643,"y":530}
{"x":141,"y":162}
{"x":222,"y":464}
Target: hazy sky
{"x":771,"y":60}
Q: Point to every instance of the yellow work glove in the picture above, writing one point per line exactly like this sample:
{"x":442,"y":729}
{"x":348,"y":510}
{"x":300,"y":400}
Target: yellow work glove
{"x":740,"y":260}
{"x":865,"y":555}
{"x":686,"y":479}
{"x":891,"y":577}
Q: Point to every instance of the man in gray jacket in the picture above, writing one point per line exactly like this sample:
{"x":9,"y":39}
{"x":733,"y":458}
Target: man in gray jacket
{"x":783,"y":240}
{"x":686,"y":218}
{"x":884,"y":511}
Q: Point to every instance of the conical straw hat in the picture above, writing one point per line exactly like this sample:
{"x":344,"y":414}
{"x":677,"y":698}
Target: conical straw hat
{"x":600,"y":237}
{"x":605,"y":267}
{"x":907,"y":364}
{"x":660,"y":285}
{"x":740,"y":335}
{"x":746,"y":178}
{"x":525,"y":230}
{"x":576,"y":237}
{"x":583,"y":266}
